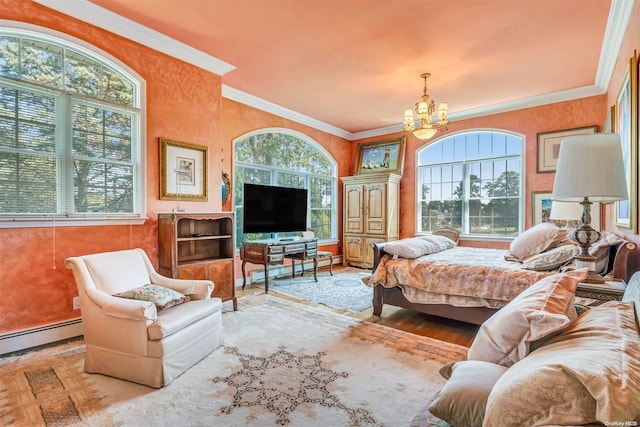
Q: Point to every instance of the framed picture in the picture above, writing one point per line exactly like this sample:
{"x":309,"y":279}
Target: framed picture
{"x":542,"y":211}
{"x":626,"y":125}
{"x":381,"y":156}
{"x":541,"y":207}
{"x":549,"y":146}
{"x":183,"y":171}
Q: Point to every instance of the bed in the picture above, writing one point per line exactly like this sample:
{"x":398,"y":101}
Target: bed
{"x":471,"y":284}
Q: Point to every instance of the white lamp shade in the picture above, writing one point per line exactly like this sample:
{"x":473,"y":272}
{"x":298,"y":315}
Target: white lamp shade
{"x":590,"y":166}
{"x":566,"y":211}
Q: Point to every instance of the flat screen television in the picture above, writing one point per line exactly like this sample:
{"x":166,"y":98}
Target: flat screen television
{"x":269,"y":209}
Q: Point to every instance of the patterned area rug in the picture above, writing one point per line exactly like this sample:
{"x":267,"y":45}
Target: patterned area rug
{"x":283,"y":363}
{"x":344,"y":290}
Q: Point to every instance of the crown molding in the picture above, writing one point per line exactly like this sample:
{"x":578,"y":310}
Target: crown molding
{"x":619,"y":16}
{"x":535,"y":101}
{"x":102,"y":18}
{"x":264,"y":105}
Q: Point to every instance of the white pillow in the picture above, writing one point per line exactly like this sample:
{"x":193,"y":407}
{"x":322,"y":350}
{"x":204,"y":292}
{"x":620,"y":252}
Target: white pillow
{"x":551,"y":259}
{"x":535,"y":240}
{"x":540,"y":311}
{"x":413,"y":247}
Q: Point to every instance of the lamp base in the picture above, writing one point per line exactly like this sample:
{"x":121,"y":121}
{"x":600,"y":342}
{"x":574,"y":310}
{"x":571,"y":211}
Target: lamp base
{"x":590,"y":263}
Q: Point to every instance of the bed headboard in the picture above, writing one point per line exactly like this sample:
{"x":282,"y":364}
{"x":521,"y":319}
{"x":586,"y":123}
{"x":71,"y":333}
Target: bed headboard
{"x":624,"y":259}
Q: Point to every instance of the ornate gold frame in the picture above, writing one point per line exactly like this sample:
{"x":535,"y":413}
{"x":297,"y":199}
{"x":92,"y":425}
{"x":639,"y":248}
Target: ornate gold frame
{"x":371,"y":156}
{"x":194,"y":188}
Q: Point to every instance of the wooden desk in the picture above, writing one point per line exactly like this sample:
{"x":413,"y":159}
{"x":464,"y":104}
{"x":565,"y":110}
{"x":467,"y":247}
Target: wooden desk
{"x":273,"y":252}
{"x":611,"y":290}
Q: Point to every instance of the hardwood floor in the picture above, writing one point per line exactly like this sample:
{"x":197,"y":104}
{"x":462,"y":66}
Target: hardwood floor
{"x":406,"y":320}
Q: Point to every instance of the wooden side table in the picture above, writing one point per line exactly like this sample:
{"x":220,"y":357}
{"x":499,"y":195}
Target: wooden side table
{"x":610,"y":290}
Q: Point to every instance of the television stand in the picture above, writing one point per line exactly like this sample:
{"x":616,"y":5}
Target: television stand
{"x":273,"y":252}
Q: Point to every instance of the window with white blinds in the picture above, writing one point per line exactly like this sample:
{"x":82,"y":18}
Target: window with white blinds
{"x":69,"y":133}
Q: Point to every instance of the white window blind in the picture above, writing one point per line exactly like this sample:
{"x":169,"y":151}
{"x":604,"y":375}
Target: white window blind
{"x":69,"y":132}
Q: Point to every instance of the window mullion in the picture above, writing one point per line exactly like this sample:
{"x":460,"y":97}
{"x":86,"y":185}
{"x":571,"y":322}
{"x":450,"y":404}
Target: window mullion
{"x":64,"y":161}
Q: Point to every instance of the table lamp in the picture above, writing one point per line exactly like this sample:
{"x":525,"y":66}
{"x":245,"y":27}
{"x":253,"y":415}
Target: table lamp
{"x":590,"y":169}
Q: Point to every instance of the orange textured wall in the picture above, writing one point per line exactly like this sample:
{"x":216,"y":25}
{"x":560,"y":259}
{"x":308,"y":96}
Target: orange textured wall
{"x":527,"y":122}
{"x":184,"y":104}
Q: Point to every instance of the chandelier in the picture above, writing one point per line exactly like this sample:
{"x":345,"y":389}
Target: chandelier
{"x":425,"y":108}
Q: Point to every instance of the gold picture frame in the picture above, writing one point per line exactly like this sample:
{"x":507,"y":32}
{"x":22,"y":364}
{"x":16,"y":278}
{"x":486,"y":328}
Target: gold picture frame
{"x":183,"y":171}
{"x":549,"y":146}
{"x":626,"y":125}
{"x":381,"y":156}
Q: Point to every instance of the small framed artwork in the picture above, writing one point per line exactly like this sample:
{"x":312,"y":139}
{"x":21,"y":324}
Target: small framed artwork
{"x":626,"y":125}
{"x":549,"y":146}
{"x":542,"y":211}
{"x":183,"y":171}
{"x":381,"y":156}
{"x":541,"y":207}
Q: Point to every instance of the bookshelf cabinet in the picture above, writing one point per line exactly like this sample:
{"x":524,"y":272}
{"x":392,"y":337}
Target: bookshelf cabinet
{"x":199,"y":246}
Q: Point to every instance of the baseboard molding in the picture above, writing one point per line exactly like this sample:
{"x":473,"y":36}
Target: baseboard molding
{"x":257,"y":276}
{"x":27,"y":338}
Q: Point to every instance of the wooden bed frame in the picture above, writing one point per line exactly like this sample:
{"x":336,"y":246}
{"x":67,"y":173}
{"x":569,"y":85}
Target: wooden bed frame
{"x":624,"y":261}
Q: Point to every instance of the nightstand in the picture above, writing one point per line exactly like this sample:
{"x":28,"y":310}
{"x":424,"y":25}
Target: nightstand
{"x":610,"y":290}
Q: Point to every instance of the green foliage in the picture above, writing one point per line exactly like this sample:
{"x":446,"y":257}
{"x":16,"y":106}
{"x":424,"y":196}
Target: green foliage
{"x":35,"y":164}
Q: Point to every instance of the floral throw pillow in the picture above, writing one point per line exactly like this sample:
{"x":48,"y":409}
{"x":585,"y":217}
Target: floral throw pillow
{"x":159,"y":295}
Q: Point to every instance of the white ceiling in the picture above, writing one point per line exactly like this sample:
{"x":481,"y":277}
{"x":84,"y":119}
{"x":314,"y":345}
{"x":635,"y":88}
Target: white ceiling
{"x":351,"y":67}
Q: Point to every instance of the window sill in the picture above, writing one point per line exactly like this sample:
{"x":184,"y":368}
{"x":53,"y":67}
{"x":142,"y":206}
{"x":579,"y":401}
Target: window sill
{"x":36,"y":222}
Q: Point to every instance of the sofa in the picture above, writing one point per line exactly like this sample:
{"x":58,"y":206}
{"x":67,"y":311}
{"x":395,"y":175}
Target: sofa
{"x":541,"y":362}
{"x":138,"y":325}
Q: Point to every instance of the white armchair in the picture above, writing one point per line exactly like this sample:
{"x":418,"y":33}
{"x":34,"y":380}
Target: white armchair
{"x":130,"y":339}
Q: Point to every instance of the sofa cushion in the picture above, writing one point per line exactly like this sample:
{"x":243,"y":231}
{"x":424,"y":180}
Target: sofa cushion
{"x":159,"y":295}
{"x":540,"y":311}
{"x":588,"y":373}
{"x":463,"y":399}
{"x":170,"y":321}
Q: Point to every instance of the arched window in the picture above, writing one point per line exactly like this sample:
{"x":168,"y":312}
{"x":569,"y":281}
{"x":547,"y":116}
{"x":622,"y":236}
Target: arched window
{"x":471,"y":181}
{"x":284,"y":158}
{"x":69,"y":131}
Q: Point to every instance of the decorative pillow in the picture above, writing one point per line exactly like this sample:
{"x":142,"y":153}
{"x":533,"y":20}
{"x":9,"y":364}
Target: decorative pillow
{"x":159,"y":295}
{"x":540,"y":311}
{"x":463,"y":398}
{"x":589,"y":373}
{"x":414,"y":247}
{"x":600,"y":250}
{"x":535,"y":240}
{"x":551,"y":259}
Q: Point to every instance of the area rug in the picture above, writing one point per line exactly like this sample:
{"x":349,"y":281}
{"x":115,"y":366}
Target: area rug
{"x":344,"y":290}
{"x":282,"y":363}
